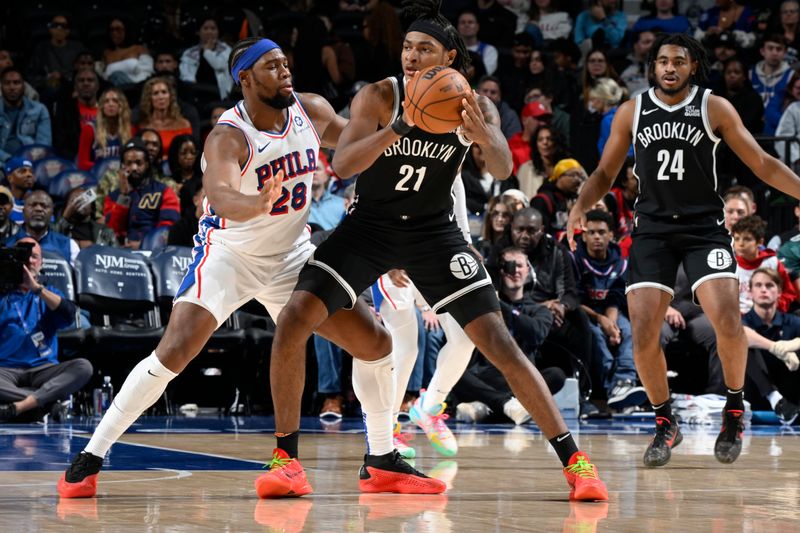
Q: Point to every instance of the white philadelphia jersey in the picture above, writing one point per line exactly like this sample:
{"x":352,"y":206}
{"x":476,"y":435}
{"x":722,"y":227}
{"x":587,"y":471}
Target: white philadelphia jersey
{"x":293,"y":149}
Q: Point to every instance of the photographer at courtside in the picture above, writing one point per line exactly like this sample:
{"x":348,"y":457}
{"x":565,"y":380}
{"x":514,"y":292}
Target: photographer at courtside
{"x":30,"y":315}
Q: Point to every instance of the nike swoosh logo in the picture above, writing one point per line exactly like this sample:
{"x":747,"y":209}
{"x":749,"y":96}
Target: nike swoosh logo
{"x":649,"y":111}
{"x":452,"y":216}
{"x":148,"y":371}
{"x":262,"y":148}
{"x":561,"y":438}
{"x":720,"y":222}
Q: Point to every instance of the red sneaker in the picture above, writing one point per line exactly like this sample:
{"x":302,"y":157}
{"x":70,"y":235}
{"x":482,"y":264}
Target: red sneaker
{"x":390,"y":473}
{"x":583,"y":479}
{"x":80,"y":479}
{"x":285,"y":479}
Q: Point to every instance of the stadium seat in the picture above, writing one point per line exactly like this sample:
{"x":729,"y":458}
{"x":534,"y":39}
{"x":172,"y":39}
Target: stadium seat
{"x":67,"y":180}
{"x":116,"y":286}
{"x":35,"y":152}
{"x":155,"y":239}
{"x":103,"y":165}
{"x":57,"y":272}
{"x":47,"y":168}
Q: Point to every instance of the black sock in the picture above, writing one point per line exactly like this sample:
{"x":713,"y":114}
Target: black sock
{"x":565,"y":447}
{"x":288,"y":443}
{"x":664,"y":410}
{"x":735,"y":401}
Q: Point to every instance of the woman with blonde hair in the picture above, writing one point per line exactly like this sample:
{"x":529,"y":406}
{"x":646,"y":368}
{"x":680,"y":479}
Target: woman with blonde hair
{"x":159,"y":110}
{"x":111,"y":130}
{"x":605,"y":97}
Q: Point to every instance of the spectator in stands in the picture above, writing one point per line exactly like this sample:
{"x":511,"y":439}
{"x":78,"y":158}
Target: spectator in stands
{"x":206,"y":63}
{"x":634,"y":70}
{"x":489,"y":86}
{"x":738,"y":90}
{"x":37,"y":214}
{"x":514,"y":70}
{"x":159,"y":110}
{"x":770,"y":331}
{"x":736,"y":208}
{"x":75,"y":111}
{"x":78,"y":221}
{"x":557,"y":195}
{"x":785,"y":236}
{"x":545,"y":153}
{"x":19,"y":174}
{"x":7,"y":227}
{"x":663,"y":17}
{"x":468,"y":28}
{"x":602,"y":25}
{"x":728,"y":15}
{"x":125,"y":61}
{"x":723,"y":47}
{"x":748,"y":234}
{"x":601,"y":286}
{"x":496,"y":224}
{"x":770,"y":78}
{"x":140,"y":203}
{"x":315,"y":67}
{"x":498,"y":24}
{"x":479,"y":184}
{"x":51,"y":62}
{"x":6,"y":60}
{"x":605,"y":98}
{"x":545,"y":77}
{"x":379,"y":57}
{"x":515,"y":199}
{"x":22,"y":122}
{"x":183,"y":231}
{"x":786,"y":21}
{"x":327,"y":210}
{"x":30,"y":374}
{"x":566,"y":55}
{"x":789,"y":124}
{"x":560,"y":119}
{"x":483,"y":389}
{"x":551,"y":21}
{"x":110,"y":132}
{"x":155,"y":150}
{"x":534,"y":116}
{"x":745,"y":193}
{"x":184,"y":166}
{"x":620,"y":201}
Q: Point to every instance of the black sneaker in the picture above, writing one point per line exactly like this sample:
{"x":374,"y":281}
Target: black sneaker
{"x":786,"y":411}
{"x":668,"y":435}
{"x":7,"y":412}
{"x":80,"y":479}
{"x":390,"y":473}
{"x":729,"y":442}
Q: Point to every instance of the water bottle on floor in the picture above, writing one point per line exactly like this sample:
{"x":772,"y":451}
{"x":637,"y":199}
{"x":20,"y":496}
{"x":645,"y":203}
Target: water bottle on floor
{"x":107,"y":393}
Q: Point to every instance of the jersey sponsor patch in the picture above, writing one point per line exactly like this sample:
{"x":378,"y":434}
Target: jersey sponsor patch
{"x":463,"y":266}
{"x":719,"y":259}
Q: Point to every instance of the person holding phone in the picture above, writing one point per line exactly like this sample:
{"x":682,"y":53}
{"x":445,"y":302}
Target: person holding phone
{"x":78,"y":220}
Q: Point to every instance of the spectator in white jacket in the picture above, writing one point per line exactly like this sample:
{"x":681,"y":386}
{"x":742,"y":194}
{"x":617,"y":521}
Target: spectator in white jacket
{"x":207,"y":62}
{"x":789,"y":124}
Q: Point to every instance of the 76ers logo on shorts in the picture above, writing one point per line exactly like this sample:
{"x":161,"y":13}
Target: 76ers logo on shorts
{"x":719,"y":259}
{"x":463,"y":266}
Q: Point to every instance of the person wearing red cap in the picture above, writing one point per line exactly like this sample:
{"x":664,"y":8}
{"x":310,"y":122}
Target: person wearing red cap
{"x":534,"y":115}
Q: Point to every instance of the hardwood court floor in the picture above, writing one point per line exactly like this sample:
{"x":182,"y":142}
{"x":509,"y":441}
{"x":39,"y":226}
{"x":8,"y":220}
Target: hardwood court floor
{"x":179,"y":476}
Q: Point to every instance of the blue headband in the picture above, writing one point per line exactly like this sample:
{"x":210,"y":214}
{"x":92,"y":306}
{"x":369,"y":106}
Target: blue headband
{"x":248,"y":59}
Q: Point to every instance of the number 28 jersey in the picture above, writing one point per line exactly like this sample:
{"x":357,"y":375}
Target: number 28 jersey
{"x":412,"y":178}
{"x":675,"y":153}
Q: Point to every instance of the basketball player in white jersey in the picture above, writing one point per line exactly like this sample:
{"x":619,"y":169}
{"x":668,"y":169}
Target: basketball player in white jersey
{"x":251,"y":243}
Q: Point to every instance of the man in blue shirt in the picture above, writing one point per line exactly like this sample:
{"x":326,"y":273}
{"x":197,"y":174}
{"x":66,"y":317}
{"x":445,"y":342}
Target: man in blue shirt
{"x":37,"y":213}
{"x":30,"y":373}
{"x":327,"y":209}
{"x":19,"y":173}
{"x":22,"y":122}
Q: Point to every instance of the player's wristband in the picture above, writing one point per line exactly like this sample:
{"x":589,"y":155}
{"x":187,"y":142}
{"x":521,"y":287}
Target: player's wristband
{"x":400,"y":127}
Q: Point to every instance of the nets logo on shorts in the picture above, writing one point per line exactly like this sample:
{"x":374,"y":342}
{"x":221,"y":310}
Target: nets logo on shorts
{"x":719,"y":259}
{"x":463,"y":266}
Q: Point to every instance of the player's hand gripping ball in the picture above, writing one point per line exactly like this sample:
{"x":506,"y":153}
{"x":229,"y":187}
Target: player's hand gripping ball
{"x":433,"y":98}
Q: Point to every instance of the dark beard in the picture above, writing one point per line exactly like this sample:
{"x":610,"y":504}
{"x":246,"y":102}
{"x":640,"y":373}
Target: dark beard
{"x":278,"y":101}
{"x":676,"y":90}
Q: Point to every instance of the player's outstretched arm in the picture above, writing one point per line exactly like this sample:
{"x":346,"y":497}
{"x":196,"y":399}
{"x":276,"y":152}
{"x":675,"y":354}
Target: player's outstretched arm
{"x":225,"y":150}
{"x":482,"y":125}
{"x":364,"y":139}
{"x":328,"y":124}
{"x":725,"y":121}
{"x":611,"y":161}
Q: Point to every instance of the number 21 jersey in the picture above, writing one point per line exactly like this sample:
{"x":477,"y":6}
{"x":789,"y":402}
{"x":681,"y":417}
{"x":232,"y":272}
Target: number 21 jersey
{"x":675,"y":153}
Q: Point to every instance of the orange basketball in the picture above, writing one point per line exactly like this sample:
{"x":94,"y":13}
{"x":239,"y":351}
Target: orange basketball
{"x":433,"y":98}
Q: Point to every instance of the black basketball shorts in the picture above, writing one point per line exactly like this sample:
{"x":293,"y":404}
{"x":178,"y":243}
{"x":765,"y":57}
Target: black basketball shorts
{"x":657,"y":250}
{"x":434,"y":254}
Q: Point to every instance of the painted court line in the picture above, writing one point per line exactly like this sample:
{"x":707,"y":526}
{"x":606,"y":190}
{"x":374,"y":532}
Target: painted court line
{"x":179,"y":474}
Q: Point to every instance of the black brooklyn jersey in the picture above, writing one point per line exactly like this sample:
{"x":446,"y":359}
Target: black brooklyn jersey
{"x":675,"y":152}
{"x":413,"y":178}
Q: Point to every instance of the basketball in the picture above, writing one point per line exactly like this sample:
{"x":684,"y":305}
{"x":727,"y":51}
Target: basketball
{"x":433,"y":98}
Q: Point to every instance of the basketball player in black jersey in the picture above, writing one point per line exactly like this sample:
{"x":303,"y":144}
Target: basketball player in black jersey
{"x":402,"y":217}
{"x":675,"y":128}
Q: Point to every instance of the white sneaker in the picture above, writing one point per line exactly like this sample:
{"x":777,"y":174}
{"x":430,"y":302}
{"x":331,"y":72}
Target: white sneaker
{"x":626,"y":394}
{"x":472,"y":412}
{"x":516,"y":412}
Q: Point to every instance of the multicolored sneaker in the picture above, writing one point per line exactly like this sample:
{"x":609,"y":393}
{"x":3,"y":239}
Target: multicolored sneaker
{"x":80,"y":479}
{"x":285,"y":479}
{"x":583,"y":479}
{"x":439,"y":435}
{"x":389,"y":473}
{"x":729,"y":442}
{"x":668,"y":435}
{"x":401,"y":442}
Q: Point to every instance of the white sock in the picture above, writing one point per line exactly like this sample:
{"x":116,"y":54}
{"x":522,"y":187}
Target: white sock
{"x":402,"y":325}
{"x":143,"y":386}
{"x":774,"y":397}
{"x":451,"y":363}
{"x":373,"y":383}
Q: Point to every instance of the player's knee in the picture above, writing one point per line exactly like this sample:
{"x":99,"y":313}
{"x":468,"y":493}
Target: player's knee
{"x":376,"y":346}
